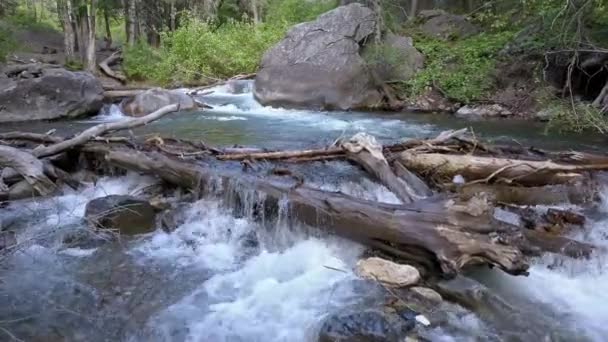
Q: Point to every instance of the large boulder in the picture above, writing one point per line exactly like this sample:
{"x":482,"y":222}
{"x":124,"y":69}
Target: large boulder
{"x":125,"y":214}
{"x":154,"y":99}
{"x":446,"y":26}
{"x":48,"y":93}
{"x":318,"y":64}
{"x":365,"y":326}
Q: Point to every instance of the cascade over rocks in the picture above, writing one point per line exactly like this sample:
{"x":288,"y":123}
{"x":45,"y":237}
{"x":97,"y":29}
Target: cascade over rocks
{"x":129,"y":215}
{"x":34,"y":92}
{"x":318,"y":64}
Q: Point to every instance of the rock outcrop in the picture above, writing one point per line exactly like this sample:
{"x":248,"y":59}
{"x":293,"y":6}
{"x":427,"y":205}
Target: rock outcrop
{"x":443,"y":25}
{"x":154,"y":99}
{"x":318,"y":64}
{"x":125,"y":214}
{"x":39,"y":93}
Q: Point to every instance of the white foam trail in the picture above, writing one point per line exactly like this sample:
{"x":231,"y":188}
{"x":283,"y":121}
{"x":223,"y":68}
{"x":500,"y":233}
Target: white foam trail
{"x":576,"y":289}
{"x":262,"y":292}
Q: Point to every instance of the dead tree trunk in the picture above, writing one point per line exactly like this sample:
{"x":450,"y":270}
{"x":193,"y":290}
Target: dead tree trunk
{"x":29,"y":167}
{"x":105,"y":67}
{"x":487,"y":169}
{"x":64,"y":10}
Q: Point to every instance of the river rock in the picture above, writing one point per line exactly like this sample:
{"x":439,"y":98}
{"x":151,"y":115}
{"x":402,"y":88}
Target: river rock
{"x":365,"y":326}
{"x":126,"y":214}
{"x":483,"y":111}
{"x":427,"y":293}
{"x":49,"y":93}
{"x":443,"y":25}
{"x":154,"y":99}
{"x":387,"y":272}
{"x":318,"y":64}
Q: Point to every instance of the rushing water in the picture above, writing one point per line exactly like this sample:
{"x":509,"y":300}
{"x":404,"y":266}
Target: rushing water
{"x":224,"y":276}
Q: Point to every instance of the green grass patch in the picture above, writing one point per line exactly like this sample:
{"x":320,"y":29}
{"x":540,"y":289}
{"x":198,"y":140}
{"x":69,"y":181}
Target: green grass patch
{"x":461,"y":69}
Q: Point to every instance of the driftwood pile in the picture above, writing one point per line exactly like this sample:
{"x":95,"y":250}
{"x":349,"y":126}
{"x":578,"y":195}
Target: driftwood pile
{"x":463,"y":202}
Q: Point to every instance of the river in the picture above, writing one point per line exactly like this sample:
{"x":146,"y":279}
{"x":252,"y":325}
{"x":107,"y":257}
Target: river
{"x":222,"y":276}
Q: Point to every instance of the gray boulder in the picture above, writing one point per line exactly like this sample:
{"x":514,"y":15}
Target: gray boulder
{"x":318,"y":64}
{"x":154,"y":99}
{"x":446,"y":26}
{"x":399,"y":60}
{"x":52,"y":93}
{"x":365,"y":326}
{"x":125,"y":214}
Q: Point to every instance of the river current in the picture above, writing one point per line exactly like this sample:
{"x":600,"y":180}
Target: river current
{"x":220,"y":276}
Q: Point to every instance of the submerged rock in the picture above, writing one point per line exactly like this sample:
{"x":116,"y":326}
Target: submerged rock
{"x":388,"y":272}
{"x":443,"y":25}
{"x":50,"y":93}
{"x":154,"y":99}
{"x":126,"y":214}
{"x":365,"y":326}
{"x":427,"y":293}
{"x":318,"y":64}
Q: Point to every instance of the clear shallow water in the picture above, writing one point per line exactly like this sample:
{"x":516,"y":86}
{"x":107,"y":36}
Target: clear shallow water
{"x":221,"y":277}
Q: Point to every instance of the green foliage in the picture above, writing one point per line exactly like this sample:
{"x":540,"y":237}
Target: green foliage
{"x":564,"y":116}
{"x":289,"y":12}
{"x":197,"y":52}
{"x":7,"y":42}
{"x":461,"y":69}
{"x":23,"y":18}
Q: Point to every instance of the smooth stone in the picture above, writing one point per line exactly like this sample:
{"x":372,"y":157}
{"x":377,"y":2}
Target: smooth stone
{"x":387,"y":272}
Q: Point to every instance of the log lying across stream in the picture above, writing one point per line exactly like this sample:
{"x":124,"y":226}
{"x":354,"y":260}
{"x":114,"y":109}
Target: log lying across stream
{"x":441,"y":226}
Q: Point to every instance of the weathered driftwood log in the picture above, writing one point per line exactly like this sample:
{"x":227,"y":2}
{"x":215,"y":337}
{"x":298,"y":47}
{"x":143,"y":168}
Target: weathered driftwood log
{"x":367,"y":152}
{"x":101,"y":129}
{"x":336,"y":151}
{"x":578,"y":193}
{"x":29,"y":167}
{"x":427,"y":226}
{"x":477,"y":169}
{"x":34,"y":137}
{"x":105,"y":67}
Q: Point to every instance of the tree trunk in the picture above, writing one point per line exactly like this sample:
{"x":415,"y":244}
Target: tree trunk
{"x":131,"y":22}
{"x":91,"y":54}
{"x":414,"y":9}
{"x":255,"y":11}
{"x":173,"y":15}
{"x":106,"y":17}
{"x":447,"y":238}
{"x":487,"y":169}
{"x":64,"y":10}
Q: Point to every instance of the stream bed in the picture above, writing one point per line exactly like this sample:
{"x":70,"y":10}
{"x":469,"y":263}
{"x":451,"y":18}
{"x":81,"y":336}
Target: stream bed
{"x":221,"y":276}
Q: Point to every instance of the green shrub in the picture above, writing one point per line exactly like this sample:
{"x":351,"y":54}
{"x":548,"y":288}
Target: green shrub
{"x":461,"y":69}
{"x":582,"y":117}
{"x":289,"y":12}
{"x":25,"y":19}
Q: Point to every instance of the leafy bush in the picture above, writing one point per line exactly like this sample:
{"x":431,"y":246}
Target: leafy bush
{"x":199,"y":52}
{"x":289,"y":12}
{"x":582,"y":117}
{"x":25,"y":19}
{"x":462,"y":69}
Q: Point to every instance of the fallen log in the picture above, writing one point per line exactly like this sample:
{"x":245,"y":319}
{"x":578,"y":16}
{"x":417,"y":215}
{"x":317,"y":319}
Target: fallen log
{"x":101,"y":129}
{"x":537,"y":195}
{"x":477,"y":169}
{"x":29,"y":167}
{"x":403,"y":227}
{"x":105,"y":67}
{"x":367,"y":152}
{"x":34,"y":137}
